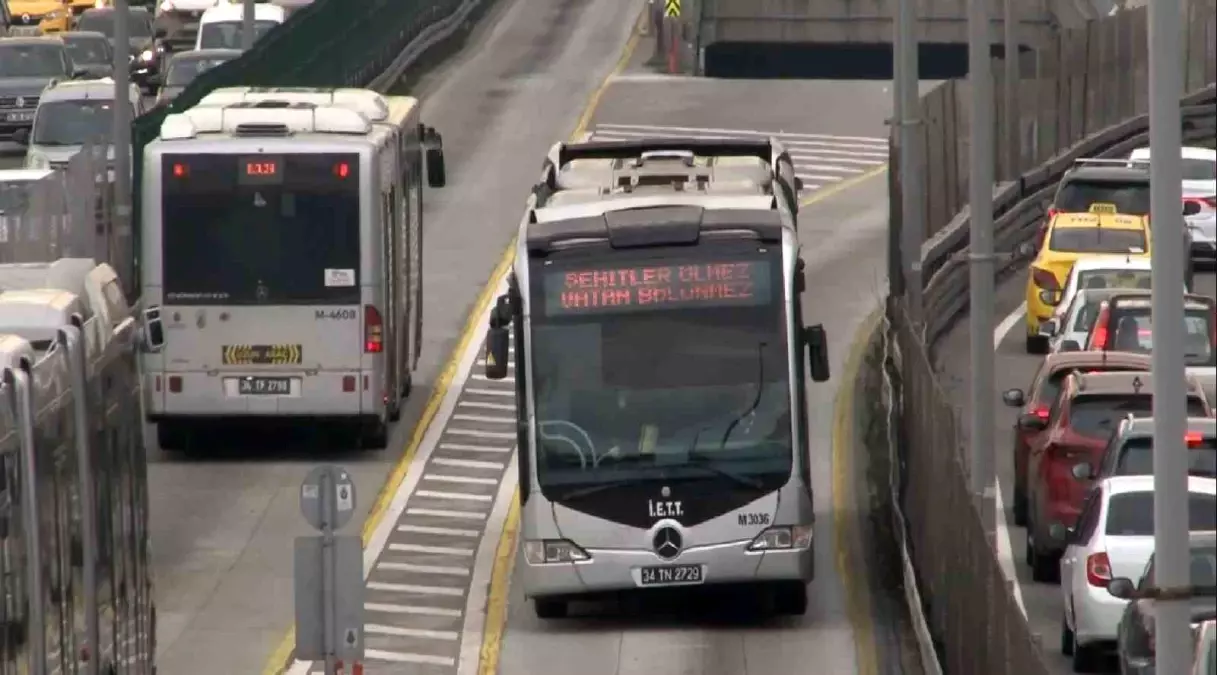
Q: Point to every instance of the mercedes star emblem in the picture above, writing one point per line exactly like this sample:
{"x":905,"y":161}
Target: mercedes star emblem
{"x":665,"y":492}
{"x":667,"y":543}
{"x":20,"y":101}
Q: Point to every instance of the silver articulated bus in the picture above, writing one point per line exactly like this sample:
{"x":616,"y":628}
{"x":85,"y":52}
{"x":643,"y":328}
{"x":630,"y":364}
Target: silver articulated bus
{"x":660,"y":361}
{"x":283,"y":249}
{"x":75,"y":557}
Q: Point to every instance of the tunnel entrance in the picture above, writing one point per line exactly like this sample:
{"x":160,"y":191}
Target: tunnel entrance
{"x":831,"y":61}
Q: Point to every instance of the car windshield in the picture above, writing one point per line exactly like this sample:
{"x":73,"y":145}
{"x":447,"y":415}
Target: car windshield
{"x":1130,"y":197}
{"x":31,"y":60}
{"x":1097,"y":415}
{"x":138,"y":24}
{"x":1131,"y":514}
{"x":73,"y":122}
{"x":88,"y":51}
{"x":1199,"y":169}
{"x":1137,"y":458}
{"x":665,"y":366}
{"x":1097,"y":240}
{"x":183,"y":71}
{"x":1134,"y":332}
{"x":262,"y":230}
{"x":227,"y":34}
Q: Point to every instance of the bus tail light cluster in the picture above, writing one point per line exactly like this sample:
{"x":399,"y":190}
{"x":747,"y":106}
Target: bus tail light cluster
{"x":785,"y":537}
{"x":373,"y":330}
{"x":544,"y":551}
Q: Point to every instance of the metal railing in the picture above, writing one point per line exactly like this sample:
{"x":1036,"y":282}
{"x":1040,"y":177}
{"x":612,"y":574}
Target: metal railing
{"x":1093,"y":105}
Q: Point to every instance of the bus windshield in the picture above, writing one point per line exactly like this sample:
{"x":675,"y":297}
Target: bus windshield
{"x":260,"y":230}
{"x":665,"y":367}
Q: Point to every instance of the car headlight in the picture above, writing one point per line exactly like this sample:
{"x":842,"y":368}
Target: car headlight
{"x":548,"y":551}
{"x":147,"y":55}
{"x":784,"y":537}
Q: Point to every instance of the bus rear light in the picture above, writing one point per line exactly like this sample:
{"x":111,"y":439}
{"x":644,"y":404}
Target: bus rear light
{"x":175,"y":384}
{"x":348,"y":383}
{"x":373,"y":331}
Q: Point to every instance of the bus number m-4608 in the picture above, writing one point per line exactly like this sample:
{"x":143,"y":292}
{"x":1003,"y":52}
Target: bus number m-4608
{"x":338,"y":314}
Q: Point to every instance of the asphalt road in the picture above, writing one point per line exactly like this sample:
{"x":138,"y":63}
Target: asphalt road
{"x":1014,"y":368}
{"x":835,"y":133}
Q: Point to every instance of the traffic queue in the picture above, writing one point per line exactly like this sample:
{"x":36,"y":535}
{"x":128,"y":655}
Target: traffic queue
{"x":1084,"y":436}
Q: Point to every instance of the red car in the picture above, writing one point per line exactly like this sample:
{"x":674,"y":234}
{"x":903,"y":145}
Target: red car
{"x":1088,"y":409}
{"x":1036,"y":401}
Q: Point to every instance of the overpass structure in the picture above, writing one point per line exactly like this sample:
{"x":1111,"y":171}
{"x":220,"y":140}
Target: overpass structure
{"x":703,"y":27}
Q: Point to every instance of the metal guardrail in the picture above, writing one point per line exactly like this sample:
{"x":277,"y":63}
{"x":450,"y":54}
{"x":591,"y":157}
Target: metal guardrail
{"x":1092,"y":103}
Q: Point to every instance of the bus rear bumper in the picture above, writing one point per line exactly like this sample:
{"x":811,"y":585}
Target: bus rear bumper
{"x":206,"y":395}
{"x":619,"y":570}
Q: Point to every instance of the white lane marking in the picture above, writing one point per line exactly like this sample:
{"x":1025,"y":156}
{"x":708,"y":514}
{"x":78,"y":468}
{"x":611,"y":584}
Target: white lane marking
{"x":747,"y":132}
{"x":490,"y":392}
{"x":482,"y":378}
{"x":433,"y":550}
{"x":443,"y":513}
{"x":467,"y":480}
{"x":469,"y":463}
{"x":465,"y":496}
{"x":844,"y":169}
{"x":407,"y":657}
{"x":442,"y":531}
{"x":482,"y":434}
{"x":488,"y":419}
{"x":1005,"y":553}
{"x":489,"y":406}
{"x":791,"y":145}
{"x":814,"y":186}
{"x":389,"y":608}
{"x":483,"y":566}
{"x":843,"y":156}
{"x":819,"y":176}
{"x":465,"y":447}
{"x":414,"y":588}
{"x":446,"y":570}
{"x":408,"y":488}
{"x":510,"y":364}
{"x":394,"y":631}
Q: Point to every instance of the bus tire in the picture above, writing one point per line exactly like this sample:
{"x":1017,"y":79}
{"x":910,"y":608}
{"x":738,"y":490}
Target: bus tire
{"x":375,"y":435}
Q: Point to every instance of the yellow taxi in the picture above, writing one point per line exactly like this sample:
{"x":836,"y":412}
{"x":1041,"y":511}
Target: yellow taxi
{"x":1071,"y":236}
{"x":34,"y":17}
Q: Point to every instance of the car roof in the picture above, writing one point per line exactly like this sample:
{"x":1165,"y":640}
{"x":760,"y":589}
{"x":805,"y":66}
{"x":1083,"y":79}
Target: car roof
{"x":22,"y":175}
{"x":1142,"y":427}
{"x":107,"y":10}
{"x":1114,"y":485}
{"x":1111,"y":262}
{"x":1107,"y":221}
{"x":1095,"y":359}
{"x":1142,"y":297}
{"x":1202,"y":537}
{"x":1111,"y":173}
{"x":87,"y":34}
{"x":32,"y":40}
{"x":1120,"y":382}
{"x":1188,"y":152}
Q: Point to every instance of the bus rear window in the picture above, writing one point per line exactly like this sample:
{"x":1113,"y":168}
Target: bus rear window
{"x":260,"y":229}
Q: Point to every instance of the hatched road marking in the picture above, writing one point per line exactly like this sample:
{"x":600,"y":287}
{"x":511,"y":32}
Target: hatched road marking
{"x":819,"y":159}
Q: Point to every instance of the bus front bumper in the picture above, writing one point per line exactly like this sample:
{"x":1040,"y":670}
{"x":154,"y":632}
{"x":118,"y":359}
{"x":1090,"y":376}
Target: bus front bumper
{"x":617,"y":570}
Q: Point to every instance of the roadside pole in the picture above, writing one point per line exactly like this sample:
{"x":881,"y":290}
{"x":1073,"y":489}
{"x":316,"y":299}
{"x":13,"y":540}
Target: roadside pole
{"x":120,"y":227}
{"x":247,"y":24}
{"x":980,"y":185}
{"x":1013,"y":74}
{"x":912,"y":197}
{"x":328,"y":574}
{"x":1171,"y":556}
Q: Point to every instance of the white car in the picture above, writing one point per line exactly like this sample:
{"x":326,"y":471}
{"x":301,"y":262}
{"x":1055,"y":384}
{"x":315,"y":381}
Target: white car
{"x":1095,"y":272}
{"x":221,"y":26}
{"x":1205,"y":660}
{"x":1113,"y":537}
{"x":1199,"y":198}
{"x":1199,"y":168}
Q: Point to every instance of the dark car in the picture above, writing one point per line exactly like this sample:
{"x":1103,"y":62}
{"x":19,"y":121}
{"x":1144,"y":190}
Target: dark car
{"x":1135,"y":646}
{"x":1130,"y":452}
{"x":142,"y":46}
{"x":27,"y":66}
{"x":89,"y":52}
{"x":182,"y":68}
{"x":1091,"y":182}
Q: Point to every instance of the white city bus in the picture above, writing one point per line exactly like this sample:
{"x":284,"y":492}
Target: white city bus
{"x":282,"y":245}
{"x":661,"y":368}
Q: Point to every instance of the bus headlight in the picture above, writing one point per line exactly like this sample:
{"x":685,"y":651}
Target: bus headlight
{"x":784,"y":537}
{"x":543,"y":551}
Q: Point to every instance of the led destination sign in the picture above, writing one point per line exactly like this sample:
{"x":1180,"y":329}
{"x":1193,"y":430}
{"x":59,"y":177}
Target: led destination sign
{"x":658,"y":287}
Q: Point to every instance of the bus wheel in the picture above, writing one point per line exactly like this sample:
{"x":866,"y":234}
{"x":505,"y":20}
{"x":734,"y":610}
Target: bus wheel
{"x":549,"y":608}
{"x":375,"y":435}
{"x":790,"y":599}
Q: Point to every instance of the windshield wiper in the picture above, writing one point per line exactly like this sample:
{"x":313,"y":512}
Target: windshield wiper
{"x":703,"y":461}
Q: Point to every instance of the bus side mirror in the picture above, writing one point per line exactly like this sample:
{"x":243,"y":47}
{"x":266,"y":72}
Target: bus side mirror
{"x":433,"y":144}
{"x":154,"y":330}
{"x":817,"y":351}
{"x":498,"y":340}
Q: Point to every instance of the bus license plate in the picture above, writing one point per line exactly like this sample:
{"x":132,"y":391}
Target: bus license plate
{"x":670,"y":575}
{"x":264,"y":385}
